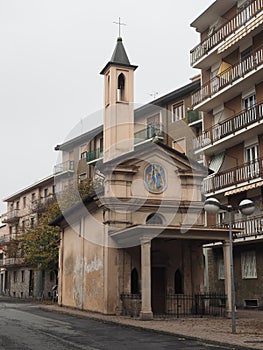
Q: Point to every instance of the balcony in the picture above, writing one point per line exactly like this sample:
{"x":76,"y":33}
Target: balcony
{"x":226,"y":80}
{"x":11,"y":216}
{"x":250,"y":227}
{"x":94,"y":155}
{"x":194,"y":117}
{"x":234,"y":177}
{"x":218,"y":36}
{"x":40,"y":204}
{"x":146,"y":134}
{"x":13,"y":261}
{"x":236,"y":124}
{"x":65,"y":167}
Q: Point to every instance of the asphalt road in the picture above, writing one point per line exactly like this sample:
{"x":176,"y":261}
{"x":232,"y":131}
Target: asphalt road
{"x":23,"y":326}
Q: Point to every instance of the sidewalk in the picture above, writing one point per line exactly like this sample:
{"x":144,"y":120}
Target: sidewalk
{"x":249,"y":325}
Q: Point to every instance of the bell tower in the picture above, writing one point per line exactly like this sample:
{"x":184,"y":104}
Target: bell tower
{"x":118,"y":130}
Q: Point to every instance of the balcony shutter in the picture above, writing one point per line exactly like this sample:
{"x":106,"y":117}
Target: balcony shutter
{"x":217,"y":162}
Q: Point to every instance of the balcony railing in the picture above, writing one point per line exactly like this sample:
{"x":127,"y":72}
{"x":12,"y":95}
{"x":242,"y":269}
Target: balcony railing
{"x":42,"y":203}
{"x":13,"y":261}
{"x":93,"y":155}
{"x":249,"y":227}
{"x":193,"y":116}
{"x":226,"y":78}
{"x":229,"y":126}
{"x":5,"y":239}
{"x":250,"y":10}
{"x":12,"y":215}
{"x":64,"y":167}
{"x":234,"y":176}
{"x":148,"y":133}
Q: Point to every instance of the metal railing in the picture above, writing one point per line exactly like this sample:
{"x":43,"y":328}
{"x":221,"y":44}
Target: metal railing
{"x":249,"y":10}
{"x":11,"y":215}
{"x":225,"y":79}
{"x":180,"y":305}
{"x":234,"y":176}
{"x":64,"y":167}
{"x":93,"y":155}
{"x":148,"y":133}
{"x":250,"y":227}
{"x":42,"y":202}
{"x":13,"y":261}
{"x":229,"y":126}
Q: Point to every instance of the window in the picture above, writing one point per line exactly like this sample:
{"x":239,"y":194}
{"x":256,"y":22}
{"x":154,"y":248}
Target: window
{"x":23,"y":226}
{"x":101,"y":145}
{"x":248,"y":265}
{"x":177,"y":112}
{"x":251,"y":153}
{"x":134,"y":282}
{"x":154,"y":219}
{"x":153,"y":126}
{"x":15,"y":276}
{"x":83,"y":155}
{"x":17,"y":205}
{"x":24,"y":202}
{"x":22,"y":276}
{"x":221,"y":269}
{"x":248,"y":102}
{"x":33,"y":197}
{"x":32,"y":222}
{"x":46,"y":192}
{"x":178,"y":282}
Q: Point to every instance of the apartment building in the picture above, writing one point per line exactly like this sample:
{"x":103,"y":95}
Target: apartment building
{"x":230,"y":58}
{"x":3,"y":235}
{"x":23,"y":208}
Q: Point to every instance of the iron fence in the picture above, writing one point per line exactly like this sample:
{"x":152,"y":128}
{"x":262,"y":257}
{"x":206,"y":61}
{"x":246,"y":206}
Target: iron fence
{"x":179,"y":305}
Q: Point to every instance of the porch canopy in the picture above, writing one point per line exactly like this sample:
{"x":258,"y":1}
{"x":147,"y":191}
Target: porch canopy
{"x":133,"y":236}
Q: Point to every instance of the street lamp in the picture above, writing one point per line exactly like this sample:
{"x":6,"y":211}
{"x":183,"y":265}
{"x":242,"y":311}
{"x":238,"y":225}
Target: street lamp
{"x":247,"y":207}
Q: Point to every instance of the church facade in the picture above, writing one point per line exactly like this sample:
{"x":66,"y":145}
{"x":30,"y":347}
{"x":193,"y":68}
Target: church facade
{"x":136,"y":242}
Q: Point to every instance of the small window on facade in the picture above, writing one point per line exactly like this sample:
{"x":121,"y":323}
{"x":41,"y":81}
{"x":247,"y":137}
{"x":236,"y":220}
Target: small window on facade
{"x":22,"y":276}
{"x":251,"y":153}
{"x":221,"y":269}
{"x":154,"y":219}
{"x":23,"y":226}
{"x":33,"y":197}
{"x":101,"y":144}
{"x":249,"y":102}
{"x":248,"y":265}
{"x":177,"y":112}
{"x":178,"y":282}
{"x":134,"y":282}
{"x":46,"y":192}
{"x":17,"y":205}
{"x":32,"y":222}
{"x":24,"y":202}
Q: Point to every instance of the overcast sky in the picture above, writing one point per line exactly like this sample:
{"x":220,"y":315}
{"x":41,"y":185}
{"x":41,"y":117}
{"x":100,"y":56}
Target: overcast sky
{"x":51,"y":54}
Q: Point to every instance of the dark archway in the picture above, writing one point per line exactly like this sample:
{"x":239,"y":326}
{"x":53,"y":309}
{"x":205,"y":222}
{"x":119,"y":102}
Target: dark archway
{"x":134,"y":282}
{"x":121,"y":87}
{"x":178,"y":282}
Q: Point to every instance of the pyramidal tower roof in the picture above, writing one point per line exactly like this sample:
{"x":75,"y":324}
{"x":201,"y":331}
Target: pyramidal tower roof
{"x":119,"y":57}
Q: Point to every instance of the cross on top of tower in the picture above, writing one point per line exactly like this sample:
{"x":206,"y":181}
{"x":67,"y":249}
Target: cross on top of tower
{"x":120,"y":24}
